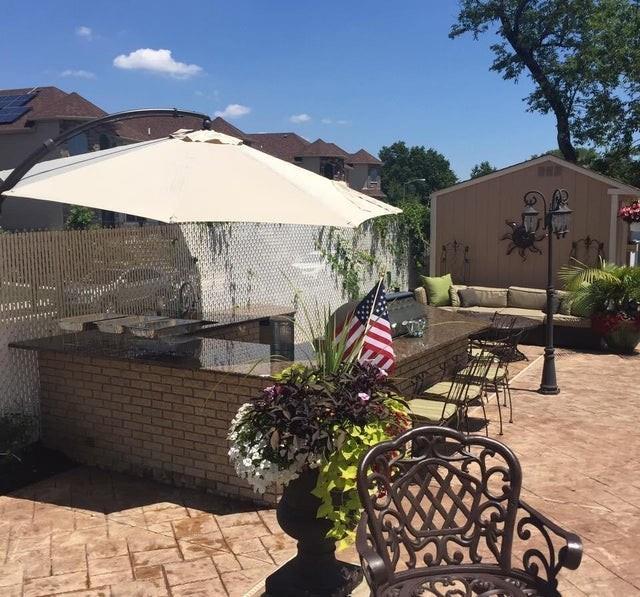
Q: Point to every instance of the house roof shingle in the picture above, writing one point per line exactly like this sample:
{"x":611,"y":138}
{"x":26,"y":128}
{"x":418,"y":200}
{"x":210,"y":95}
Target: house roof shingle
{"x":220,"y":125}
{"x":49,"y":103}
{"x":363,"y":157}
{"x":285,"y":146}
{"x":320,"y":148}
{"x":156,"y":127}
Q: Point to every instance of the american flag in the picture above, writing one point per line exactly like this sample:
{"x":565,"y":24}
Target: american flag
{"x":377,"y":345}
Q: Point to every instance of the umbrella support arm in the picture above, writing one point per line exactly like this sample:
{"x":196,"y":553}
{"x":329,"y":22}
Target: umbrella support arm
{"x":50,"y":144}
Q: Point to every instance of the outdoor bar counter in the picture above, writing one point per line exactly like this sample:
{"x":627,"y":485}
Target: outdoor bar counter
{"x":162,"y":408}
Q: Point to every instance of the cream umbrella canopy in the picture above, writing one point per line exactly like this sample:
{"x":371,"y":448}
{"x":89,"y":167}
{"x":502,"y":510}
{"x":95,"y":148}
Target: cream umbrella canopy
{"x":198,"y":176}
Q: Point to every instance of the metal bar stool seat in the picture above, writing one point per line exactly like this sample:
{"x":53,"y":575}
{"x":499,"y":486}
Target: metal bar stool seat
{"x":429,"y":410}
{"x":440,"y":390}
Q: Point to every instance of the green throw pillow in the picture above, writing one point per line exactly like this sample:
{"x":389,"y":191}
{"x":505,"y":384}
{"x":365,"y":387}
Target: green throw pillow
{"x":438,"y":290}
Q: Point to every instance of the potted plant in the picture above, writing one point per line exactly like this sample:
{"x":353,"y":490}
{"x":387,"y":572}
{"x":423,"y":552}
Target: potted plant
{"x":631,"y":214}
{"x":611,"y":295}
{"x":306,"y":433}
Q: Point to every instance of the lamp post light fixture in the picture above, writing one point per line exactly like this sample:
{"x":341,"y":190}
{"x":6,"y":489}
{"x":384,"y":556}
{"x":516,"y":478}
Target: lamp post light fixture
{"x":555,"y":221}
{"x":408,"y":182}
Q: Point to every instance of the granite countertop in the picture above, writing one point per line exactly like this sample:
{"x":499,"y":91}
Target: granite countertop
{"x":244,"y":314}
{"x":443,"y":327}
{"x":227,"y":356}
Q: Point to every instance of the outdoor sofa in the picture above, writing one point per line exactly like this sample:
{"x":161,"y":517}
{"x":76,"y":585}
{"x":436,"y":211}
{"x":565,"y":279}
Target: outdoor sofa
{"x":570,"y":330}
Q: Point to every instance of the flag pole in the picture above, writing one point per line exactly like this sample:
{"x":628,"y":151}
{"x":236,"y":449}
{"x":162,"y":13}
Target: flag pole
{"x":373,"y":306}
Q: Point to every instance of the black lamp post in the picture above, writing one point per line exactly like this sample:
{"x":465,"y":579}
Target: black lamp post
{"x":555,"y":223}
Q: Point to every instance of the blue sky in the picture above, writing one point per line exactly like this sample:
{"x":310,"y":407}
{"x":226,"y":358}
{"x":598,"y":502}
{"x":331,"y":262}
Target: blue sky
{"x":361,"y":74}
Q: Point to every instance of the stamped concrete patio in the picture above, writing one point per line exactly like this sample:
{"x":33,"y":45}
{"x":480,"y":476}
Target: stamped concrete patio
{"x":92,"y":533}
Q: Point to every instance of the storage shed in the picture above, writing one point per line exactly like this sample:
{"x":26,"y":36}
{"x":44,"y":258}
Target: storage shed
{"x":471,"y":223}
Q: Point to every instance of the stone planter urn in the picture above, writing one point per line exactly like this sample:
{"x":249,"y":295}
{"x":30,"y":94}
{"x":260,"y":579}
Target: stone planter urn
{"x":314,"y":571}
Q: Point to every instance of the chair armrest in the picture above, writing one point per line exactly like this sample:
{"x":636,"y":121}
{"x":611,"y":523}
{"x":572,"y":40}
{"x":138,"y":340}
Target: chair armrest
{"x":373,"y":566}
{"x":568,"y":556}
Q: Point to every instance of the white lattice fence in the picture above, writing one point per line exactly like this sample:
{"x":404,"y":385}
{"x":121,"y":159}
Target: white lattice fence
{"x":52,"y":274}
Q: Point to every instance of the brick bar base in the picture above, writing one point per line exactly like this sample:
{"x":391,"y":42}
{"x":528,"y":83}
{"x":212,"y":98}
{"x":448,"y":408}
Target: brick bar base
{"x":166,"y":423}
{"x":152,"y":421}
{"x":429,"y":366}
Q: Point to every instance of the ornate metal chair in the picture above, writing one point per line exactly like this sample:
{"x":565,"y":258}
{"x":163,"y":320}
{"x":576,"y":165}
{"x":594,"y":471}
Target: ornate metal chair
{"x":443,"y":516}
{"x":449,"y":401}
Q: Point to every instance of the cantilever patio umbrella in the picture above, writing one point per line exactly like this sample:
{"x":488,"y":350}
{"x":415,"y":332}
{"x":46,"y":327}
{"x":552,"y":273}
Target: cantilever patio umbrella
{"x":198,"y":176}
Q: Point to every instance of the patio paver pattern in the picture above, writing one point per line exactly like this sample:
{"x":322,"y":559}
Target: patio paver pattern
{"x":92,"y":533}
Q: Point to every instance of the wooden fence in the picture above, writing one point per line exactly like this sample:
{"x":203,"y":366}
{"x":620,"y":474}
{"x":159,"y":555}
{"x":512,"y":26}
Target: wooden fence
{"x":47,"y":275}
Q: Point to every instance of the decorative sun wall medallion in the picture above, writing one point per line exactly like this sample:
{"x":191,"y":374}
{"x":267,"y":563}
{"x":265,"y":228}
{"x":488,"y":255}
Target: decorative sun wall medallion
{"x":522,"y":240}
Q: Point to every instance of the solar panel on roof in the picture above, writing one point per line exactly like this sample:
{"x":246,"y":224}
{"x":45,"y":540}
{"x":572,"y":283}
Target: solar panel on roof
{"x":9,"y":115}
{"x":15,"y":101}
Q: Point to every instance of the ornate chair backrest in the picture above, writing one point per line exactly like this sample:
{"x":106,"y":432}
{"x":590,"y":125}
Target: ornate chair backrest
{"x":438,"y":500}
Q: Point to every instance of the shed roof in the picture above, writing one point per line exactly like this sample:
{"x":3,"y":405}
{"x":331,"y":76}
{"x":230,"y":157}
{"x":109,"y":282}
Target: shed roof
{"x":617,"y":186}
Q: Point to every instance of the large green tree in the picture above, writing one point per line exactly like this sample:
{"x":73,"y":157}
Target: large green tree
{"x":582,"y":55}
{"x":403,"y":164}
{"x":482,"y":169}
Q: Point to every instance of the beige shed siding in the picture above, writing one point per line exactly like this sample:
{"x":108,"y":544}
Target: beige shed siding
{"x":475,"y":215}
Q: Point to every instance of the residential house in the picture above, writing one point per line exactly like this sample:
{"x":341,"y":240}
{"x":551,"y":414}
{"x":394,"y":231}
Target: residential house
{"x":360,"y":170}
{"x":30,"y":116}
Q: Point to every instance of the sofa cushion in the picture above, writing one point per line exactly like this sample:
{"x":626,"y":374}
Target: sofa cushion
{"x":483,"y":296}
{"x":571,"y":321}
{"x":520,"y":312}
{"x":477,"y":309}
{"x":437,"y":289}
{"x":527,"y":298}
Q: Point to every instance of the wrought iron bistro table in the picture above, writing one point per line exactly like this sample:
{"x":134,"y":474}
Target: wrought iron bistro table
{"x":511,"y":338}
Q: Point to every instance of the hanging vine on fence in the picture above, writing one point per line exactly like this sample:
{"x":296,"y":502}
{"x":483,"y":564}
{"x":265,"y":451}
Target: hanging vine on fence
{"x":400,"y":237}
{"x":346,"y":259}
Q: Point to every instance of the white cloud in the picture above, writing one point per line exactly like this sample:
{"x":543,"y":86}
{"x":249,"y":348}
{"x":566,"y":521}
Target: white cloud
{"x":80,"y":74}
{"x":299,"y":118}
{"x":234,"y":111}
{"x":156,"y":61}
{"x":332,"y":121}
{"x":84,"y":32}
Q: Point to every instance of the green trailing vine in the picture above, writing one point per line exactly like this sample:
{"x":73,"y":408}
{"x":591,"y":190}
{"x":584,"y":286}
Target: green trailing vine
{"x":404,"y":237}
{"x":336,"y":486}
{"x":346,"y":260}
